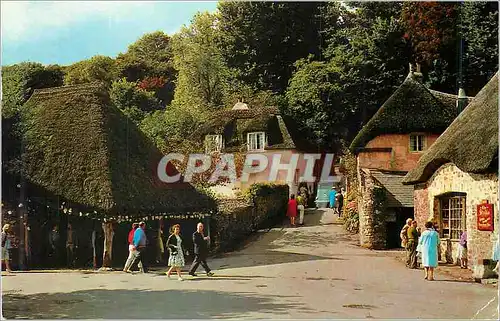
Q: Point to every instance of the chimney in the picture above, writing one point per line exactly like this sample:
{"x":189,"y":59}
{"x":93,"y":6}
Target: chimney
{"x":415,"y":72}
{"x":461,"y":100}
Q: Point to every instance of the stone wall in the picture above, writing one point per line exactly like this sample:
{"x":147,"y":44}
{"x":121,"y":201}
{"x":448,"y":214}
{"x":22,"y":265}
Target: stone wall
{"x":261,"y":207}
{"x":449,"y":178}
{"x":421,"y":205}
{"x":372,"y":222}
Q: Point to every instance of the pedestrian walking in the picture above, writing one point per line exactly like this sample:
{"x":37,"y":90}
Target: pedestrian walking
{"x":412,"y":244}
{"x":71,"y":245}
{"x":462,"y":250}
{"x":429,"y":243}
{"x":404,"y":240}
{"x":301,"y":207}
{"x":340,"y":202}
{"x":176,"y":252}
{"x":200,"y":251}
{"x":332,"y":196}
{"x":131,"y":248}
{"x":6,"y":246}
{"x":305,"y":194}
{"x":139,"y":243}
{"x":292,"y":210}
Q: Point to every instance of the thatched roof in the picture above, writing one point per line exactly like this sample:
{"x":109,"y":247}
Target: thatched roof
{"x":411,"y":108}
{"x":235,"y":123}
{"x":80,"y":147}
{"x":471,"y":141}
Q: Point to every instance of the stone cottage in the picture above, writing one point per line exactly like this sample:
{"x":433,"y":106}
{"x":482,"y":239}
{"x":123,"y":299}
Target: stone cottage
{"x":456,"y":181}
{"x":389,"y":146}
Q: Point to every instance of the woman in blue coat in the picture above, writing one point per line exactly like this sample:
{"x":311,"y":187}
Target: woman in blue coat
{"x":429,"y":242}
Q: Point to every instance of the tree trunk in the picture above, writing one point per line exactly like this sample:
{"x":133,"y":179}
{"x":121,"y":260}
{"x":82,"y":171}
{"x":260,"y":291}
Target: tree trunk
{"x":108,"y":244}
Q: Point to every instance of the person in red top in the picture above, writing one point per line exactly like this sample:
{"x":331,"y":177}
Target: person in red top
{"x":292,"y":210}
{"x":131,"y":247}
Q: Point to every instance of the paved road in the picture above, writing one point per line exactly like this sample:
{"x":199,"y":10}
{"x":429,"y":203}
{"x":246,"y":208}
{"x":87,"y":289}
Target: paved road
{"x":316,"y":271}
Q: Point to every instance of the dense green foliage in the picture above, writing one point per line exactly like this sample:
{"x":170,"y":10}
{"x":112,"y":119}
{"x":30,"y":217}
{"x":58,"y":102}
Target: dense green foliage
{"x":97,"y":68}
{"x":328,"y":66}
{"x":20,"y":80}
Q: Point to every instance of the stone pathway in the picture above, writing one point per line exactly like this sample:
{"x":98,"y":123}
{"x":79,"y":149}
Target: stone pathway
{"x":315,"y":271}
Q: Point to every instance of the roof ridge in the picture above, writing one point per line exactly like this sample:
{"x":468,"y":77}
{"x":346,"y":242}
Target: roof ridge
{"x":411,"y":97}
{"x":94,"y":84}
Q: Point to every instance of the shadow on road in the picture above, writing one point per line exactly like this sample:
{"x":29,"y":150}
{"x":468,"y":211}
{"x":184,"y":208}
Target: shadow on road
{"x":277,"y":247}
{"x":137,"y":304}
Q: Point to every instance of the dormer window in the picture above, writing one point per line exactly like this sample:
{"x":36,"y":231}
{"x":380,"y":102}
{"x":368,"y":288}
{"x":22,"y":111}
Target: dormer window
{"x":417,"y":143}
{"x":256,"y":141}
{"x":213,"y":143}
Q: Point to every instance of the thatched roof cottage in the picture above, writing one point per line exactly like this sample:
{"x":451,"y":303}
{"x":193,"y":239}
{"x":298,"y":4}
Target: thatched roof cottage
{"x":389,"y":146}
{"x":251,"y":129}
{"x":84,"y":150}
{"x":456,"y":180}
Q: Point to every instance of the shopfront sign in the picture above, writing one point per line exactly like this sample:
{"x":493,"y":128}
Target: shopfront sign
{"x":485,"y":216}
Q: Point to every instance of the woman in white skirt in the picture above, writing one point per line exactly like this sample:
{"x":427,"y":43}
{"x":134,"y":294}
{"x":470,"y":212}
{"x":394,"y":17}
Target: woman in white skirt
{"x":175,"y":248}
{"x":462,"y":250}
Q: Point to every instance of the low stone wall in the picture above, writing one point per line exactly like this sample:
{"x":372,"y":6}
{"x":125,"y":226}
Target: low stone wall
{"x":262,"y":206}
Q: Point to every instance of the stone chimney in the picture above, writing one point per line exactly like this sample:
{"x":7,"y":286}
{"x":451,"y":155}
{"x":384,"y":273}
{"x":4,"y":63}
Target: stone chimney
{"x":415,"y":72}
{"x":461,"y":100}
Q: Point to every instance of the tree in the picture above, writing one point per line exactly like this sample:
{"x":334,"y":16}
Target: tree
{"x":479,"y":27}
{"x":132,"y":100}
{"x":311,"y":103}
{"x":203,"y":76}
{"x":431,"y":27}
{"x":97,"y":68}
{"x":330,"y":100}
{"x":262,"y":40}
{"x":149,"y":60}
{"x":20,"y":80}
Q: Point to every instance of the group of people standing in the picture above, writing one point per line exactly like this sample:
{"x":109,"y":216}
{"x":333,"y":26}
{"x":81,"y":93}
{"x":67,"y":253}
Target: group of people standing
{"x":426,"y":243}
{"x":176,"y":248}
{"x":296,"y":206}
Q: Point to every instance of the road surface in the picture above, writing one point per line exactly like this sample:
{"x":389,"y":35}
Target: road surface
{"x":315,"y":271}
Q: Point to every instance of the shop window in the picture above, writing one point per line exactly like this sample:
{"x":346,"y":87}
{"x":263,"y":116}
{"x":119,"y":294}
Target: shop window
{"x":452,"y":220}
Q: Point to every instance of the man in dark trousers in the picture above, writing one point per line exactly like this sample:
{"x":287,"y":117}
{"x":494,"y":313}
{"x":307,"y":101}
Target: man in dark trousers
{"x":200,"y":251}
{"x":139,"y":243}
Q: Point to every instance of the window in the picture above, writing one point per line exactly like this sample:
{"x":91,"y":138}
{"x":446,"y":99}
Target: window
{"x":213,"y":143}
{"x":256,"y":141}
{"x":416,"y":143}
{"x":452,"y":216}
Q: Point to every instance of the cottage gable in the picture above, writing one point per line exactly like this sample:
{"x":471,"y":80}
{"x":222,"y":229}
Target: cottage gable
{"x":245,"y":128}
{"x":412,"y":108}
{"x":471,"y":141}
